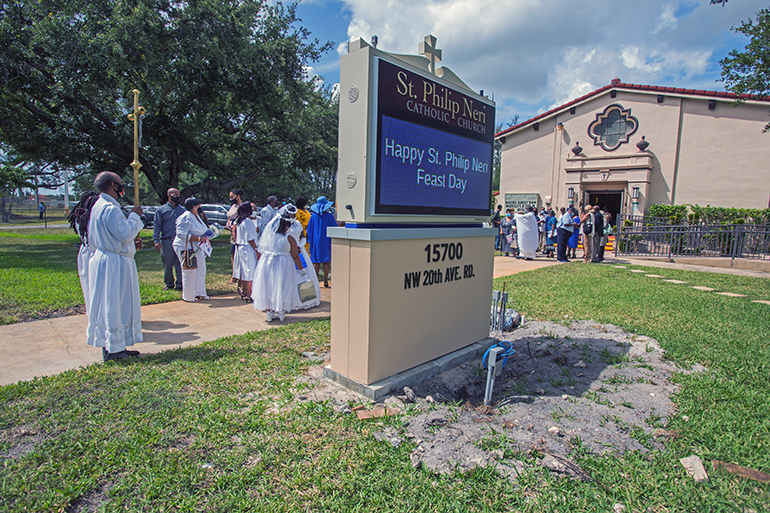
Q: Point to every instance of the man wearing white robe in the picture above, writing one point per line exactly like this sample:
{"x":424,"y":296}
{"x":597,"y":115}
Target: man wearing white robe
{"x":114,"y":313}
{"x":526,"y":230}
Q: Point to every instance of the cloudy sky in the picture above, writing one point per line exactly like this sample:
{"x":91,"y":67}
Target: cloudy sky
{"x":534,"y":55}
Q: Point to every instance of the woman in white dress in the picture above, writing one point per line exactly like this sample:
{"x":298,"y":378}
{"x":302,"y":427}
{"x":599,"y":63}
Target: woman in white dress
{"x":296,"y":231}
{"x":245,"y":258}
{"x":78,"y":218}
{"x":190,"y":234}
{"x":275,"y":281}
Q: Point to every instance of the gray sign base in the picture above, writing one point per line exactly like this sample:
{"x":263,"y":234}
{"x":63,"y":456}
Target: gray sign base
{"x":394,"y":384}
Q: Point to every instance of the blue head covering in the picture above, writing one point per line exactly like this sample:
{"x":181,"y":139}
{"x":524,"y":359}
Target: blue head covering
{"x":321,"y":205}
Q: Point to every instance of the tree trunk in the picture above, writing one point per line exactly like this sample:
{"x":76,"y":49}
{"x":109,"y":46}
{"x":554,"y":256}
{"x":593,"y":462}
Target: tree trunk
{"x":5,"y":216}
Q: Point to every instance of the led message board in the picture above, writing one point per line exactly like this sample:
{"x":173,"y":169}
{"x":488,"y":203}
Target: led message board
{"x":434,"y":147}
{"x":427,"y":145}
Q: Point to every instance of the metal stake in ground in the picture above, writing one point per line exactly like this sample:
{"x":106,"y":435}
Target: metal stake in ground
{"x":492,"y":371}
{"x":495,"y":301}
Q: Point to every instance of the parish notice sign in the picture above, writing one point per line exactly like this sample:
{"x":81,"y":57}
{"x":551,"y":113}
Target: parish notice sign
{"x":520,"y":201}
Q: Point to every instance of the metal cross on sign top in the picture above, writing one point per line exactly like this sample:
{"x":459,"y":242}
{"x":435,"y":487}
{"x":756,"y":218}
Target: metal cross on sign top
{"x":429,"y":50}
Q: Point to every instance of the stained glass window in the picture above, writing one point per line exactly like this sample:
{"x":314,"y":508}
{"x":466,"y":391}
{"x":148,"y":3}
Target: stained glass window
{"x":612,"y":127}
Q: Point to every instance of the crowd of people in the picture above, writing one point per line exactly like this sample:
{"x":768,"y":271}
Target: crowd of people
{"x":272,"y":252}
{"x":553,"y":233}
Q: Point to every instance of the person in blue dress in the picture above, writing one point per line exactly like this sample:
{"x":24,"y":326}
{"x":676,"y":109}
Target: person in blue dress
{"x":320,"y":243}
{"x":550,"y":233}
{"x":574,"y":239}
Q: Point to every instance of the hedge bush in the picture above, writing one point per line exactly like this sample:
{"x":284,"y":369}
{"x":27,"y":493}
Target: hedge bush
{"x":695,"y":214}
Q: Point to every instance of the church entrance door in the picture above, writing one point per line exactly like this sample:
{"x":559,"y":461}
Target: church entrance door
{"x":612,"y":200}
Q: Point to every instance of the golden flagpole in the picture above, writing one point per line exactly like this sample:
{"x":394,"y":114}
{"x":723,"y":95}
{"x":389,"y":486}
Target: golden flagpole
{"x":134,"y":116}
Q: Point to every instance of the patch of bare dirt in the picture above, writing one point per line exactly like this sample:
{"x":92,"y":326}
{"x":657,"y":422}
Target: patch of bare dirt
{"x":587,"y":383}
{"x":92,"y":501}
{"x":22,"y":439}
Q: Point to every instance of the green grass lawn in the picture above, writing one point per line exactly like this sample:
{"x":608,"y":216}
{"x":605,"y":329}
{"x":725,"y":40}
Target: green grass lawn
{"x":38,"y":273}
{"x":32,"y":217}
{"x":219,"y":427}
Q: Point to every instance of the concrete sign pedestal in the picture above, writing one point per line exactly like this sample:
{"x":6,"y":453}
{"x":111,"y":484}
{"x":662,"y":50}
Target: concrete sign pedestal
{"x":402,"y":297}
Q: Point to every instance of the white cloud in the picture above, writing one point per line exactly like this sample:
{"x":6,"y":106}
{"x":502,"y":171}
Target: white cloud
{"x":534,"y":55}
{"x":667,"y":20}
{"x":313,"y":77}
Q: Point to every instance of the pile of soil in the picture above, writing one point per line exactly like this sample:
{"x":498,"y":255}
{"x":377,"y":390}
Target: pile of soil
{"x":585,"y":383}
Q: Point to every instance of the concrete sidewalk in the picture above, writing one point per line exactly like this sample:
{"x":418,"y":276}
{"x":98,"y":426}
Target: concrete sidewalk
{"x":51,"y":346}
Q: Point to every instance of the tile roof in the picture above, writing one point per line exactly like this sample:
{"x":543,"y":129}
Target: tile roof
{"x":617,"y":84}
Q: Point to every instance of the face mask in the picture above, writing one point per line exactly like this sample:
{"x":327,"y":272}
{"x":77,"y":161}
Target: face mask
{"x":234,"y":201}
{"x":253,"y":215}
{"x":174,"y":199}
{"x":120,"y":189}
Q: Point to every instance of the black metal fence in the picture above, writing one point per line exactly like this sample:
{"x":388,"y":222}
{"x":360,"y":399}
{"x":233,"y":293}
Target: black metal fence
{"x":650,"y":237}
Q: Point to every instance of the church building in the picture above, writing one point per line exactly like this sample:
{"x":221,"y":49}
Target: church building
{"x":629,"y":146}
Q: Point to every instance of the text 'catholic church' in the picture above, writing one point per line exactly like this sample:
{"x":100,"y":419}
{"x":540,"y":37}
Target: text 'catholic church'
{"x":628,"y":146}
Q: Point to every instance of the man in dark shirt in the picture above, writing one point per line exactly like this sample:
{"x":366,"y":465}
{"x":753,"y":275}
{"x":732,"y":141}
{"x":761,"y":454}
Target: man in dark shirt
{"x":163,"y":233}
{"x":598,"y":235}
{"x":496,"y":224}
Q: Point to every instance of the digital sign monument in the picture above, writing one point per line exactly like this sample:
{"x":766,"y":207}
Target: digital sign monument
{"x":413,"y":264}
{"x":431,"y":143}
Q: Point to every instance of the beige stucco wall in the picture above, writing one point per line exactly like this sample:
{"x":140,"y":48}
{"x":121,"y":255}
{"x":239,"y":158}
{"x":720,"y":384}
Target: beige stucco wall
{"x":381,"y":328}
{"x":725,"y":158}
{"x":720,"y":159}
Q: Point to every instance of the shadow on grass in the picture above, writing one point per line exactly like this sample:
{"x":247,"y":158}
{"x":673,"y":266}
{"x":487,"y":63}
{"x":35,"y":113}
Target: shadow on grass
{"x":195,"y":354}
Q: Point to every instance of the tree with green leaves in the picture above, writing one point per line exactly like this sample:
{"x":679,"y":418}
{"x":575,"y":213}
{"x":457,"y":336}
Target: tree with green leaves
{"x":748,"y":72}
{"x":223,"y":83}
{"x":12,"y":178}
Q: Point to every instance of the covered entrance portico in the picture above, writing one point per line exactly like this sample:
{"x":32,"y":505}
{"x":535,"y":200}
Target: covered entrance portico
{"x":618,"y":182}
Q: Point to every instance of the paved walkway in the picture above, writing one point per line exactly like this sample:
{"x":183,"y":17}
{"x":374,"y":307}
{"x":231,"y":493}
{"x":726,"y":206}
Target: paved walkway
{"x":51,"y":346}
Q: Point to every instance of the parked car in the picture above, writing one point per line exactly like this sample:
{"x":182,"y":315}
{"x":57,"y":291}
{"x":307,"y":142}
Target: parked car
{"x":215,"y":213}
{"x":148,"y":214}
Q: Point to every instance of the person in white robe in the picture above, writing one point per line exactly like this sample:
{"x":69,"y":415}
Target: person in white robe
{"x":526,"y":231}
{"x":191,"y":234}
{"x":245,"y":258}
{"x":78,"y":218}
{"x":114,"y":306}
{"x":295,"y":231}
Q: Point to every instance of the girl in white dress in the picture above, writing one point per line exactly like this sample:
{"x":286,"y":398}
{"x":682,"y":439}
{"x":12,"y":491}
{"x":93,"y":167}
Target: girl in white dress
{"x":290,"y":212}
{"x":275,"y":281}
{"x":190,"y":230}
{"x":245,"y":258}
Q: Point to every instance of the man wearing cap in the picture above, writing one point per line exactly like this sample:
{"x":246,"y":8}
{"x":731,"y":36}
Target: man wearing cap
{"x":114,"y":310}
{"x":163,"y":233}
{"x":320,"y":243}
